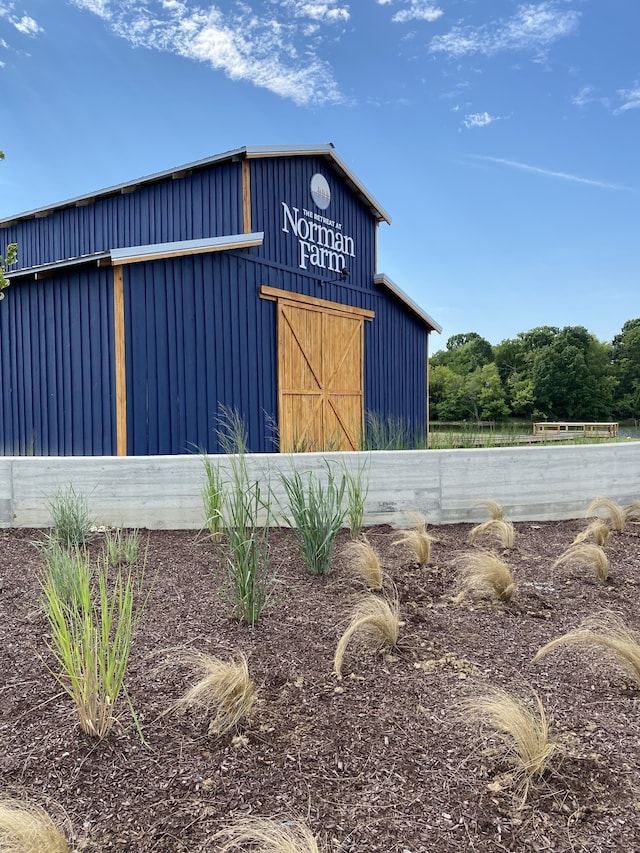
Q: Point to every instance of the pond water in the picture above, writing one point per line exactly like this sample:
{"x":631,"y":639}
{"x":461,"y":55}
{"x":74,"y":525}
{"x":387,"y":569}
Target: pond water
{"x":629,"y":430}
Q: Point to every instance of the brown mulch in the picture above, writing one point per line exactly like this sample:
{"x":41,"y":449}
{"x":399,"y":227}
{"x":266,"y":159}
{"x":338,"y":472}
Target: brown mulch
{"x":383,"y":762}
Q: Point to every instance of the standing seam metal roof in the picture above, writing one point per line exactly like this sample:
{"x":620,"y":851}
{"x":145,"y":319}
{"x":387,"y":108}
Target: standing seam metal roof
{"x":326,"y":151}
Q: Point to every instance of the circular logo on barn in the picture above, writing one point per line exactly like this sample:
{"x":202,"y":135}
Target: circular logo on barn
{"x":320,"y":192}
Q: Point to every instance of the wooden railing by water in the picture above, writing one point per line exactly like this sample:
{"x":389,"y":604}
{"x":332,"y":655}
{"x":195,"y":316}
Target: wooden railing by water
{"x":576,"y":428}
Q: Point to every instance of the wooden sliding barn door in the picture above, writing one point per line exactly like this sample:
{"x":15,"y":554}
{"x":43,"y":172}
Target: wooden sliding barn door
{"x":320,"y":374}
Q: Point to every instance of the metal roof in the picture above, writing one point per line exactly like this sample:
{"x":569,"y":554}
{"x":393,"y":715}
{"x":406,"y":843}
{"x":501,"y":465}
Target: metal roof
{"x":325,"y":151}
{"x":45,"y":270}
{"x":151,"y":252}
{"x":180,"y":248}
{"x":383,"y":280}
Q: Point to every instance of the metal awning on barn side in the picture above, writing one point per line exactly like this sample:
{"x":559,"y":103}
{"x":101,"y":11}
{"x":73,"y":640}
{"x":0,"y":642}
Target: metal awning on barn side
{"x":180,"y":248}
{"x":137,"y":254}
{"x":39,"y":271}
{"x":382,"y":280}
{"x":325,"y":151}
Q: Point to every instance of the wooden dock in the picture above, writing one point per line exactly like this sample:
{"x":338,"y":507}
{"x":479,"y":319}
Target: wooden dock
{"x":576,"y":429}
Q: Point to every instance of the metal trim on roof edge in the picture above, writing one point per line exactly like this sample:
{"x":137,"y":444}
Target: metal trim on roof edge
{"x":249,"y":152}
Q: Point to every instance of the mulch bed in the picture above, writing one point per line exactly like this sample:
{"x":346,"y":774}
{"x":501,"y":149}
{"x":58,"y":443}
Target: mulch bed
{"x":382,"y":762}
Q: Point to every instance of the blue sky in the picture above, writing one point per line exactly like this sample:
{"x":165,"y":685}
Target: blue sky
{"x":502,"y":137}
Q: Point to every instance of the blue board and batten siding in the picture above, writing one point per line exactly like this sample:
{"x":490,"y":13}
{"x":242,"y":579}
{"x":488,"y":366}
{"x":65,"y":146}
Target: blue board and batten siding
{"x":204,"y":204}
{"x":195,"y":344}
{"x":57,"y":380}
{"x":197,"y":335}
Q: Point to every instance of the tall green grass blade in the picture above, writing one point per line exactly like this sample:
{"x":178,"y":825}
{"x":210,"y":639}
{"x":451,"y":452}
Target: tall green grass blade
{"x":317,"y":512}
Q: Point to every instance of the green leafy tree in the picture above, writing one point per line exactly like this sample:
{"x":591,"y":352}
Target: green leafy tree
{"x":488,"y":393}
{"x":445,"y":393}
{"x":520,"y":395}
{"x":515,"y":359}
{"x":464,"y":353}
{"x":625,"y":357}
{"x":477,"y":395}
{"x":10,"y":257}
{"x":572,"y":378}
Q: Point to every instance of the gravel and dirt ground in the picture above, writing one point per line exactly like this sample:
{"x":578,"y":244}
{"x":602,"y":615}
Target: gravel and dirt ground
{"x":383,"y":762}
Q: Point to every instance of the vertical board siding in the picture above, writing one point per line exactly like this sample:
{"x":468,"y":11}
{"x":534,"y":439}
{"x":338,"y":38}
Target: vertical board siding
{"x":57,"y":380}
{"x":205,"y":204}
{"x":396,"y":365}
{"x":197,"y":335}
{"x":194,"y":343}
{"x":278,"y":180}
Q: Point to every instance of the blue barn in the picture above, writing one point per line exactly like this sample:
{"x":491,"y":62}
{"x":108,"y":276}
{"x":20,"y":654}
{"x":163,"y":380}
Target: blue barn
{"x":246,"y":280}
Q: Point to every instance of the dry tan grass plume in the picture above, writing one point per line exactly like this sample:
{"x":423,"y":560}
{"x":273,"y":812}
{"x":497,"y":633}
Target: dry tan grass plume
{"x":632,"y":512}
{"x":614,"y":512}
{"x":365,"y":561}
{"x":598,"y":531}
{"x":586,"y":553}
{"x":603,"y":632}
{"x":417,"y":538}
{"x":498,"y":529}
{"x":524,"y":732}
{"x":225,"y":690}
{"x":27,"y":828}
{"x":483,"y":574}
{"x":376,"y":621}
{"x":495,"y":510}
{"x":267,"y":835}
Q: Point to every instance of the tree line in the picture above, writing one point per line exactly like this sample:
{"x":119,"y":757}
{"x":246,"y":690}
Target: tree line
{"x":546,"y":373}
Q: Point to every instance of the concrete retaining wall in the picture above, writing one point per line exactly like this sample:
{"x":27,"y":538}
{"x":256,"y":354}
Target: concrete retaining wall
{"x":532,"y":483}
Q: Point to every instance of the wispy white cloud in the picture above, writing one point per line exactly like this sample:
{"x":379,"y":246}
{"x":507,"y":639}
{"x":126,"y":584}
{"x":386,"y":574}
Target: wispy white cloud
{"x":630,"y":99}
{"x":534,"y":27}
{"x":264,"y":45}
{"x":623,"y":101}
{"x":415,"y":10}
{"x":24,"y":24}
{"x":548,"y":173}
{"x":327,"y":12}
{"x":102,"y":7}
{"x":586,"y":95}
{"x":27,"y":26}
{"x":479,"y":119}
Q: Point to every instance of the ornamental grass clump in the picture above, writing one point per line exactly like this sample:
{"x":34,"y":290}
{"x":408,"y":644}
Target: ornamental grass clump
{"x":250,"y":580}
{"x":484,"y":574}
{"x":495,"y":510}
{"x":363,"y":559}
{"x":357,"y":483}
{"x":604,"y":632}
{"x":212,"y":498}
{"x":317,"y":512}
{"x":91,"y":637}
{"x":225,"y":690}
{"x":598,"y":532}
{"x":632,"y":512}
{"x":120,"y":548}
{"x":522,"y":730}
{"x":376,"y":622}
{"x":498,"y":529}
{"x":417,"y":538}
{"x":267,"y":835}
{"x":615,"y":514}
{"x":28,"y":828}
{"x":71,"y":522}
{"x":589,"y":554}
{"x":63,"y":568}
{"x":246,"y":516}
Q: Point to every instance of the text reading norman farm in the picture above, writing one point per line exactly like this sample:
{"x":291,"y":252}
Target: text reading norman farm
{"x":321,"y":242}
